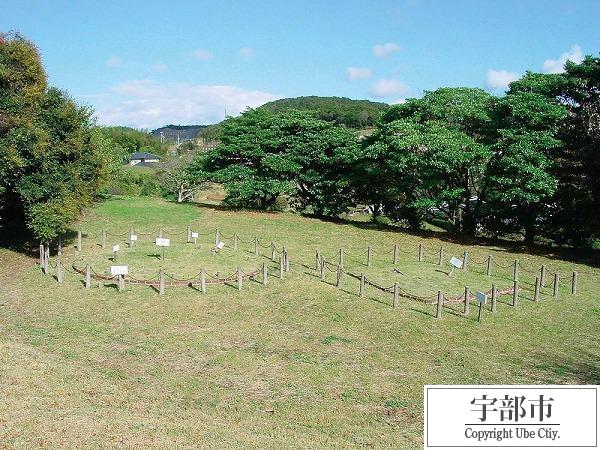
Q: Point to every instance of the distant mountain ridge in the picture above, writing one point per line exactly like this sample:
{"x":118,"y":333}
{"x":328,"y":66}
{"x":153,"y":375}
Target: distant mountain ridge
{"x":341,"y":110}
{"x":171,"y":132}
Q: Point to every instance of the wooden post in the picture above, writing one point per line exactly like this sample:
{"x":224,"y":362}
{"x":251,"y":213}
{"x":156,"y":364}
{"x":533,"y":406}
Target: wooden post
{"x":255,"y":246}
{"x":322,"y":268}
{"x":131,"y":232}
{"x":395,"y":302}
{"x":121,"y":283}
{"x":441,"y":256}
{"x":265,"y":274}
{"x":369,"y":250}
{"x":283,"y":251}
{"x":515,"y":302}
{"x":42,"y":256}
{"x":281,"y":266}
{"x":339,"y":276}
{"x":217,"y":236}
{"x":160,"y":232}
{"x":420,"y":252}
{"x":161,"y":282}
{"x":574,"y":283}
{"x":536,"y":294}
{"x":239,"y":279}
{"x":395,"y":261}
{"x":494,"y":298}
{"x":189,"y":234}
{"x":543,"y":275}
{"x":235,"y":242}
{"x":88,"y":276}
{"x":59,"y":249}
{"x":361,"y":288}
{"x":467,"y":305}
{"x":489,"y":266}
{"x":555,"y":286}
{"x":59,"y":271}
{"x":479,"y":313}
{"x":103,"y":242}
{"x":114,"y":256}
{"x":287,"y":261}
{"x":465,"y":261}
{"x":79,"y":240}
{"x":272,"y":251}
{"x":317,"y":260}
{"x":46,"y":259}
{"x":440,"y":303}
{"x":516,"y":270}
{"x":203,"y":281}
{"x":341,"y":262}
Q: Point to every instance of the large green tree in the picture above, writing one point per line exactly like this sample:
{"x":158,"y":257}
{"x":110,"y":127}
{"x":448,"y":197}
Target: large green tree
{"x":521,"y":179}
{"x":263,"y":156}
{"x":52,"y":159}
{"x":429,"y":153}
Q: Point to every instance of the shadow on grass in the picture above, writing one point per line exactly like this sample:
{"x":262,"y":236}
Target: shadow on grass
{"x":550,"y":368}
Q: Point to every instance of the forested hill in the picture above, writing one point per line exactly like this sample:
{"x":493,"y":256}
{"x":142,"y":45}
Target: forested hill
{"x":341,"y":110}
{"x":183,"y":131}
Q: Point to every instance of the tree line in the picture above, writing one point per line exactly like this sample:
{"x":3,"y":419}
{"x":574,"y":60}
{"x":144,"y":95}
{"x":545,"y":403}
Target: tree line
{"x":524,"y":163}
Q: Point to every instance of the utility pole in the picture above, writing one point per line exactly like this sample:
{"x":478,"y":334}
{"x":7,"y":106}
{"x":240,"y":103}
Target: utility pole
{"x":162,"y":137}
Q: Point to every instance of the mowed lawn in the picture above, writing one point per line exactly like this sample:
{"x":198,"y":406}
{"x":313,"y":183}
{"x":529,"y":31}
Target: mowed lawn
{"x":296,"y":363}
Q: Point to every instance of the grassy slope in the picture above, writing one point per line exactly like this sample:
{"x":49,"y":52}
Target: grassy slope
{"x":296,"y":363}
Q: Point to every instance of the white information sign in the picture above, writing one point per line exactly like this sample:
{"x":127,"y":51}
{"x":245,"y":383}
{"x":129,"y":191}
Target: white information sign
{"x":455,"y":262}
{"x":481,"y":297}
{"x":220,"y":245}
{"x":163,"y":242}
{"x":194,"y":235}
{"x":133,"y":237}
{"x":119,"y":270}
{"x":116,"y":248}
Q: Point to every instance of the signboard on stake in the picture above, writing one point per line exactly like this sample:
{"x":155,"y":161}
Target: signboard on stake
{"x":481,"y":299}
{"x":119,"y":270}
{"x":163,"y":242}
{"x":116,"y":248}
{"x":455,"y":263}
{"x":133,"y":237}
{"x":194,"y":234}
{"x":220,"y":245}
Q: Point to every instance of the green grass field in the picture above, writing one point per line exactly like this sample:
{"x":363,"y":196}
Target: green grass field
{"x":296,"y":363}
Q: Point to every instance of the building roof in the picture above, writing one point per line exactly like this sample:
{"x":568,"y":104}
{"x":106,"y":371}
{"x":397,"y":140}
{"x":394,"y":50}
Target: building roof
{"x":143,"y":155}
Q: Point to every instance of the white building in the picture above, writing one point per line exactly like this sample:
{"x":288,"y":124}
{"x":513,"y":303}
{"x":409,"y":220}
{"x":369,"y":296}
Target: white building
{"x":142,"y":158}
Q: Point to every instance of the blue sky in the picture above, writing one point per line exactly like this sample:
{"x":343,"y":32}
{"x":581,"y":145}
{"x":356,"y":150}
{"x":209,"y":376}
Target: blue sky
{"x":147,"y":63}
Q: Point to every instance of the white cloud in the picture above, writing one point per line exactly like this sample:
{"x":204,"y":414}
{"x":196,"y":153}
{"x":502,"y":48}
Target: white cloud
{"x":558,"y":65}
{"x":500,"y":79}
{"x":358,"y":73}
{"x":201,"y":54}
{"x":246,"y":53}
{"x":150,"y":104}
{"x":114,"y":61}
{"x":159,"y":67}
{"x":388,"y":88}
{"x":385,"y":50}
{"x":398,"y":101}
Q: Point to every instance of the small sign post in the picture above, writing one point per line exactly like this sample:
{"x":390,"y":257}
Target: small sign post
{"x":455,"y":263}
{"x":116,"y":248}
{"x":482,"y":300}
{"x":163,"y":242}
{"x":194,"y":236}
{"x":132,"y":239}
{"x":120,"y":271}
